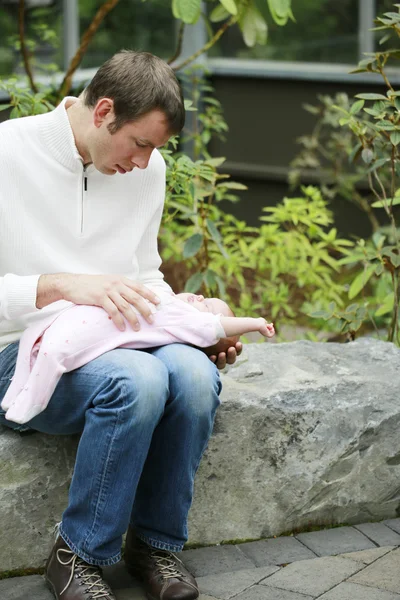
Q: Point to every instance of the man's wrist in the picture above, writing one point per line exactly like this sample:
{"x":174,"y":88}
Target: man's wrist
{"x":49,"y":289}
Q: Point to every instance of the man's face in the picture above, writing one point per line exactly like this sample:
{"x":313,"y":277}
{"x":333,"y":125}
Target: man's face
{"x":131,"y":146}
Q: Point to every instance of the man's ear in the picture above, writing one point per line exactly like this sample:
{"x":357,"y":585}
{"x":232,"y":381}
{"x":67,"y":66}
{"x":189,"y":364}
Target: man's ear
{"x":221,"y":346}
{"x":103,"y":112}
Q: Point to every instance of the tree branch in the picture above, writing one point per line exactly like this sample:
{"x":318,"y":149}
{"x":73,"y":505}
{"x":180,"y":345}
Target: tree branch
{"x":86,"y":38}
{"x":209,"y":44}
{"x":24,"y":51}
{"x":179,"y":44}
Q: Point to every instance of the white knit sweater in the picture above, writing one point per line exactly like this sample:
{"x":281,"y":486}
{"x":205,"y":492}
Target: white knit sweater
{"x":49,"y":222}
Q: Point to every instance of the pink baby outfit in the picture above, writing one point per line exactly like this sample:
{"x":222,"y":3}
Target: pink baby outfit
{"x":81,"y":333}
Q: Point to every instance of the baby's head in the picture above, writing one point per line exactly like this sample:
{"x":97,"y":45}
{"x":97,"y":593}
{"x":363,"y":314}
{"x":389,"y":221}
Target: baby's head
{"x":212,"y":305}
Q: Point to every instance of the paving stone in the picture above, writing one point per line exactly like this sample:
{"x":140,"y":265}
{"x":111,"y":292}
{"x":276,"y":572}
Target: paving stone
{"x":259,"y":592}
{"x":379,"y":533}
{"x":313,"y":577}
{"x":226,"y":585}
{"x":393,"y":524}
{"x":384,"y":573}
{"x":335,"y":541}
{"x":352,"y":591}
{"x":368,"y":556}
{"x":32,"y":587}
{"x":276,"y":552}
{"x":217,"y":559}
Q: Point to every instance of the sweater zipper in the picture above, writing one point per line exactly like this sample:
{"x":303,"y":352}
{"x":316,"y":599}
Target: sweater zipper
{"x":84,"y":189}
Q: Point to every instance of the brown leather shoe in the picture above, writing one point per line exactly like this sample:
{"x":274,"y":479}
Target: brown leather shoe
{"x":71,"y":578}
{"x":162,"y":573}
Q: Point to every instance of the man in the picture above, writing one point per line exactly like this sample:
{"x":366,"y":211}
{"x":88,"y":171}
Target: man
{"x":81,"y":201}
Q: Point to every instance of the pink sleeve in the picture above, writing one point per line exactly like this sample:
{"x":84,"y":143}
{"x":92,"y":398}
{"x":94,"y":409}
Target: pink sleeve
{"x":188,"y":325}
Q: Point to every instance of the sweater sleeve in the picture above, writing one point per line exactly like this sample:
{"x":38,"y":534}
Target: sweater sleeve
{"x":17,"y":295}
{"x":147,"y":255}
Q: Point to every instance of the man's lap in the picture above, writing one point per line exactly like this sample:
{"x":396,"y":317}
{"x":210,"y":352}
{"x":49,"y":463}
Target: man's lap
{"x":65,"y":413}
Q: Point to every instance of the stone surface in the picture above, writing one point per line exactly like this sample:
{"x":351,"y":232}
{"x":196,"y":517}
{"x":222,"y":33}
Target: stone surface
{"x":352,"y":591}
{"x":306,"y":435}
{"x":226,"y":585}
{"x":384,"y":573}
{"x":393,"y":524}
{"x":25,"y":588}
{"x":276,"y":552}
{"x":313,"y":577}
{"x":367,"y":556}
{"x":217,"y":559}
{"x":259,"y":592}
{"x":335,"y":541}
{"x":379,"y":533}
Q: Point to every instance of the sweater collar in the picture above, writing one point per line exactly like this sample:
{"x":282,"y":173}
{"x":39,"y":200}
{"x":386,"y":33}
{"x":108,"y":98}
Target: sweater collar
{"x":56,"y":133}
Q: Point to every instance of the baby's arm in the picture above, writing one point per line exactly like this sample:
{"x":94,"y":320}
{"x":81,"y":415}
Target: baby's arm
{"x":241,"y":325}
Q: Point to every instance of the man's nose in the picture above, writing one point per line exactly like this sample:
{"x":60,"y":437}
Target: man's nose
{"x":141,"y":159}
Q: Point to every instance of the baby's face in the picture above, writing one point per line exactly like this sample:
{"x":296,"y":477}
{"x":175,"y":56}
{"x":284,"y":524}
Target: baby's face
{"x":212,"y":305}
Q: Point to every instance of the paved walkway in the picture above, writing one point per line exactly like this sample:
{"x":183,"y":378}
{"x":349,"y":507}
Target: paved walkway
{"x":345,"y":563}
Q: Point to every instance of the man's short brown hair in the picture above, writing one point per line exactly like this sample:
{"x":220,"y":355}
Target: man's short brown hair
{"x":137,"y":82}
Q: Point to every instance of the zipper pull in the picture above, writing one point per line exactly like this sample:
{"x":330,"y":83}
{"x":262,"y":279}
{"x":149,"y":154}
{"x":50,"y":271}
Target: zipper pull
{"x":85,"y":184}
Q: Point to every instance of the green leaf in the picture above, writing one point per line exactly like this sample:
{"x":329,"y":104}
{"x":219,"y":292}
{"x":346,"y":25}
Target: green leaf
{"x":320,"y":314}
{"x":192,"y":245}
{"x":210,"y":278}
{"x":381,"y":203}
{"x":233,"y":185}
{"x":216,"y":236}
{"x":230,"y":6}
{"x":253,"y":26}
{"x":5,"y":106}
{"x":387,"y":306}
{"x":356,"y":107}
{"x":187,"y":10}
{"x":395,"y":138}
{"x":360,"y":281}
{"x":219,"y":13}
{"x":369,"y":96}
{"x":193,"y":283}
{"x":367,"y":155}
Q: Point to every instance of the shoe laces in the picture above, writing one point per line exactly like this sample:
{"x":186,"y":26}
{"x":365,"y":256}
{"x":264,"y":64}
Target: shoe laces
{"x":89,"y":574}
{"x":166,"y":564}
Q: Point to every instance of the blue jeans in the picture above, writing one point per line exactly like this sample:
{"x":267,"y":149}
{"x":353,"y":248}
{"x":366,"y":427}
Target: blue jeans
{"x":145,"y":419}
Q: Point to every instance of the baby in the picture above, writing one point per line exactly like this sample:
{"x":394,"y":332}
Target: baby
{"x":81,"y":333}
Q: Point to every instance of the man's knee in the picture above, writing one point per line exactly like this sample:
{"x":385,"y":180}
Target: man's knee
{"x":192,"y":377}
{"x":135,"y":383}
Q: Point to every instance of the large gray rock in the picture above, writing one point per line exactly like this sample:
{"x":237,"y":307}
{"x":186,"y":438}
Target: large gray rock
{"x":307,"y":434}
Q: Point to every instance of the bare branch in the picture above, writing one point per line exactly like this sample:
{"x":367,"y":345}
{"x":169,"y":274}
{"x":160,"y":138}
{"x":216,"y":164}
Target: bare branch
{"x":24,"y":51}
{"x":209,"y":44}
{"x":179,"y":44}
{"x":86,"y":38}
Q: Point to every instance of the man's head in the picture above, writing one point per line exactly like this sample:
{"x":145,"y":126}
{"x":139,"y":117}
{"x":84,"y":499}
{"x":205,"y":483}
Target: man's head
{"x":212,"y":305}
{"x":135,"y":104}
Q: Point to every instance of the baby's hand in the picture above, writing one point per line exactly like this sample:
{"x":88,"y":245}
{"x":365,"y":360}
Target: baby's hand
{"x":266,"y":329}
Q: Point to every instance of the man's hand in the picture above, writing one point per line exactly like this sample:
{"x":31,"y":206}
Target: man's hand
{"x":225,"y":351}
{"x":114,"y":293}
